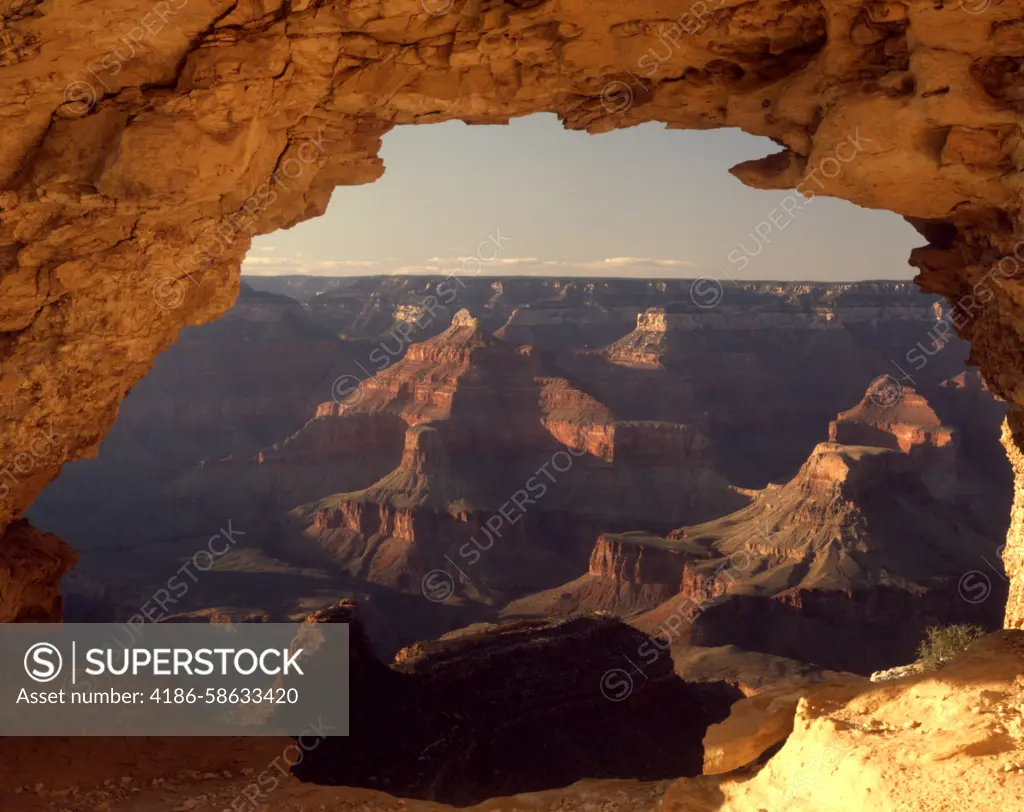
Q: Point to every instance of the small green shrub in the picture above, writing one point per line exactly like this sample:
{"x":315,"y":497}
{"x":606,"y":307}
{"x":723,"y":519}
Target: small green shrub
{"x":943,"y":643}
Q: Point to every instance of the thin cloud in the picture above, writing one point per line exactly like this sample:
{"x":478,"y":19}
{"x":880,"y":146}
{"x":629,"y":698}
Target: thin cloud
{"x":646,"y":261}
{"x":274,"y":266}
{"x":412,"y":270}
{"x":520,"y":266}
{"x":495,"y":261}
{"x":610,"y":266}
{"x":329,"y":264}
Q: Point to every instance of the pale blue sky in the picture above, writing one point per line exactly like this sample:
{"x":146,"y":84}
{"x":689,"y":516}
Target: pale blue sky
{"x":639,"y":202}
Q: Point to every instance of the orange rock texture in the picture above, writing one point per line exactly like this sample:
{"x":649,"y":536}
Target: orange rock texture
{"x":146,"y":143}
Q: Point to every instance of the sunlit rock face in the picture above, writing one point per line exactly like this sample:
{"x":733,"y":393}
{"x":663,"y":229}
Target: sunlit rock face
{"x":1013,"y":554}
{"x":145,"y":145}
{"x":944,"y":739}
{"x":909,"y":425}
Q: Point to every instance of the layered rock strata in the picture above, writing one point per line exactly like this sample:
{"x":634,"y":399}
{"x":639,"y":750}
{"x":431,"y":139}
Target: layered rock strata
{"x":508,"y":468}
{"x":906,"y":423}
{"x":874,"y":533}
{"x":628,"y":573}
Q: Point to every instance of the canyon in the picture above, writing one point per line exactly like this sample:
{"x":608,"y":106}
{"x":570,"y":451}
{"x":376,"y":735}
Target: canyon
{"x":664,"y":592}
{"x":760,"y":365}
{"x":479,"y":480}
{"x":131,"y":192}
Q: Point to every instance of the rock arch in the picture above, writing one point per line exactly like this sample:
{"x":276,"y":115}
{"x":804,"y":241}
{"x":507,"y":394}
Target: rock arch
{"x":144,"y":144}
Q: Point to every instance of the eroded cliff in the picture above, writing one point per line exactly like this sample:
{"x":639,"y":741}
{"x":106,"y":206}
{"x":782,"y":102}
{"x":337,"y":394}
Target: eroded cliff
{"x":508,"y":468}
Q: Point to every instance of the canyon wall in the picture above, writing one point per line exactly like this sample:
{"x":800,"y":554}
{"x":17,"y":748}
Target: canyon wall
{"x":909,"y":425}
{"x":135,"y":167}
{"x":486,"y":420}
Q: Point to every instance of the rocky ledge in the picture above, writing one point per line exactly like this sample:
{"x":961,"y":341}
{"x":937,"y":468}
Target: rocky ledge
{"x":950,"y":739}
{"x":497,"y":709}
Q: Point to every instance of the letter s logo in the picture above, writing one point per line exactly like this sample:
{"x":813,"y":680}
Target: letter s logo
{"x":43,"y":662}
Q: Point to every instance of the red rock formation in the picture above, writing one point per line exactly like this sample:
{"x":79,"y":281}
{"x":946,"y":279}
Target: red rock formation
{"x":654,"y":460}
{"x":509,"y":471}
{"x":434,"y":516}
{"x":501,"y":424}
{"x":104,"y":188}
{"x":636,"y":559}
{"x":857,"y":540}
{"x":904,"y":425}
{"x":461,"y":375}
{"x":1013,"y":554}
{"x":132,"y":189}
{"x":954,"y":445}
{"x":425,"y":516}
{"x":867,"y":535}
{"x":897,"y":417}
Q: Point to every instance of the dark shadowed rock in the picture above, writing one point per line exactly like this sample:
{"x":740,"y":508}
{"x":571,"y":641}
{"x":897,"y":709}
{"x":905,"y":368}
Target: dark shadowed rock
{"x":498,"y":709}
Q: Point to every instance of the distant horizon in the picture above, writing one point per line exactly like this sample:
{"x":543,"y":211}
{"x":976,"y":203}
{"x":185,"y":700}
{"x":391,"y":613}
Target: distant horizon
{"x":556,"y":277}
